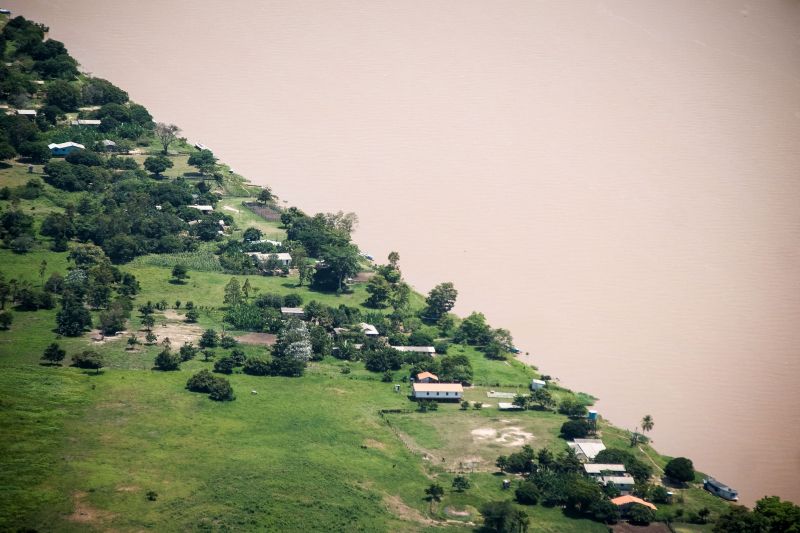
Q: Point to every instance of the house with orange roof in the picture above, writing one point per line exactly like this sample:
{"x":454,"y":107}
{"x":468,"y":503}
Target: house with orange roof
{"x":624,"y":502}
{"x":427,"y":377}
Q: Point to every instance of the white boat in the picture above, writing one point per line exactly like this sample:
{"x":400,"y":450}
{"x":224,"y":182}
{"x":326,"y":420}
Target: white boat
{"x":720,"y":489}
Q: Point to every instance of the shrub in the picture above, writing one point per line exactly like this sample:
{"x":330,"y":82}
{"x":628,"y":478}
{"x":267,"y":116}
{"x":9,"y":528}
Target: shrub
{"x":201,"y":382}
{"x":527,"y":493}
{"x":238,"y":357}
{"x":187,"y":352}
{"x":221,"y":390}
{"x":256,"y":366}
{"x":228,"y":342}
{"x":6,"y":318}
{"x":191,"y":315}
{"x":292,"y":300}
{"x":572,"y":408}
{"x":640,"y":514}
{"x":575,"y":429}
{"x":166,"y":360}
{"x":224,"y":365}
{"x":209,"y":339}
{"x":88,"y":359}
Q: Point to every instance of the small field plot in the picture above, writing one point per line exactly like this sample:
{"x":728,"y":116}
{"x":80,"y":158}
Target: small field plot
{"x":472,"y":440}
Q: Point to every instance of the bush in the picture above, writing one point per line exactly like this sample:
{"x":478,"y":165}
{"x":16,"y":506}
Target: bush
{"x":256,"y":366}
{"x":187,"y":352}
{"x":228,"y":342}
{"x":576,"y":429}
{"x":292,"y":300}
{"x":224,"y":365}
{"x":238,"y":357}
{"x":680,"y":469}
{"x":209,"y":339}
{"x":192,"y":315}
{"x":640,"y":514}
{"x":221,"y":390}
{"x":201,"y":382}
{"x":6,"y":318}
{"x":527,"y":493}
{"x":572,"y":408}
{"x":88,"y":359}
{"x":166,"y":360}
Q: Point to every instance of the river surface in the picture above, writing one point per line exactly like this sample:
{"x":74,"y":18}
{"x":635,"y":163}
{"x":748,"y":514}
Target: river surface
{"x":618,"y":183}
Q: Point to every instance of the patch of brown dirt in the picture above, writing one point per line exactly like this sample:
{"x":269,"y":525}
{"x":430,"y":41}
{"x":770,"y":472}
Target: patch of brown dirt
{"x":452,"y":511}
{"x":260,"y":339}
{"x":372,"y":443}
{"x":127,"y":488}
{"x":363,"y":277}
{"x":397,"y":507}
{"x":96,"y":337}
{"x":85,"y":513}
{"x":178,"y":333}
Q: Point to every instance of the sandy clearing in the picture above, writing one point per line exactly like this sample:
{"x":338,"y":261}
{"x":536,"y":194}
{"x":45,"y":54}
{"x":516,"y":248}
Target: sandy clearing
{"x":229,"y":208}
{"x":259,"y":339}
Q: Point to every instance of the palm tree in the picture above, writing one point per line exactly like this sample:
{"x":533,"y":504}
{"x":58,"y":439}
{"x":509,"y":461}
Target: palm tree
{"x":434,"y":494}
{"x":647,"y":423}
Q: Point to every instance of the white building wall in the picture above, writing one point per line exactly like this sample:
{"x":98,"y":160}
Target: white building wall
{"x":429,"y":395}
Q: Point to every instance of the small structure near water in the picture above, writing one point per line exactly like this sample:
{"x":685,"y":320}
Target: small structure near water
{"x":720,"y":489}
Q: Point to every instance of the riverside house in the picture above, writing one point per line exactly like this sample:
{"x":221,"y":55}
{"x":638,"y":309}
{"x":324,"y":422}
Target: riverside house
{"x":437,"y":391}
{"x":62,"y":149}
{"x":587,"y":449}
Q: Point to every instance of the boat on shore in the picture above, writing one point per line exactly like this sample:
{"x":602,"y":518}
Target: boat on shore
{"x":720,"y":489}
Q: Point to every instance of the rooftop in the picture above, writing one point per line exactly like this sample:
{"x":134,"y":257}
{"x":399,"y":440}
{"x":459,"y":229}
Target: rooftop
{"x":599,"y":468}
{"x":65,"y":145}
{"x":427,"y":375}
{"x":86,"y":122}
{"x":587,"y":447}
{"x":292,"y":311}
{"x":368,"y":329}
{"x":625,"y":500}
{"x":202,"y":207}
{"x":437,"y":387}
{"x":415,"y":349}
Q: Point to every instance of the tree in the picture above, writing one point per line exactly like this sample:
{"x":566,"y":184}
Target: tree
{"x":342,"y":261}
{"x":572,"y":407}
{"x":224,"y":365}
{"x":739,"y":519}
{"x":440,"y":300}
{"x":209,"y":339}
{"x":166,"y":135}
{"x":680,"y":469}
{"x":166,"y":360}
{"x":252,"y":235}
{"x":180,"y":273}
{"x":461,"y":483}
{"x":503,"y":517}
{"x":233,"y":292}
{"x":204,"y":161}
{"x":63,"y":95}
{"x":527,"y":493}
{"x":148,"y":322}
{"x":201,"y":381}
{"x":543,"y":398}
{"x":434,"y":493}
{"x":647,"y":423}
{"x":394,"y":258}
{"x":640,"y":514}
{"x":73,"y":317}
{"x":157,"y":164}
{"x":575,"y":429}
{"x":520,"y":400}
{"x":54,"y":354}
{"x":265,"y":195}
{"x":221,"y":390}
{"x":779,"y":516}
{"x":6,"y":318}
{"x":192,"y":315}
{"x":89,"y":359}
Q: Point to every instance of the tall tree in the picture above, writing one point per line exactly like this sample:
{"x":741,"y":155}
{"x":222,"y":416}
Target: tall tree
{"x":647,"y":423}
{"x":265,"y":195}
{"x":440,"y":300}
{"x":233,"y":292}
{"x":434,"y":493}
{"x":166,"y":135}
{"x":54,"y":354}
{"x":394,"y":258}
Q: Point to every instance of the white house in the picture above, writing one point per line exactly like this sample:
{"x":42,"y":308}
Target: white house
{"x":203,"y":208}
{"x":26,"y":112}
{"x":437,"y":391}
{"x":61,"y":149}
{"x":427,"y":350}
{"x":283,"y":258}
{"x":293,"y":311}
{"x":508,"y":406}
{"x":427,"y":377}
{"x":597,"y":470}
{"x":369,"y":330}
{"x":623,"y":483}
{"x":86,"y":122}
{"x":587,"y":449}
{"x":537,"y":384}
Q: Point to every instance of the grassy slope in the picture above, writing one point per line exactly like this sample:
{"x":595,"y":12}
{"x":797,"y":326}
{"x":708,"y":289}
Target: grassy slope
{"x":80,"y":451}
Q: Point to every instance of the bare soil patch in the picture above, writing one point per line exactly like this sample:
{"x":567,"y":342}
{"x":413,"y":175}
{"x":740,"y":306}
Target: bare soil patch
{"x":452,"y":511}
{"x":259,"y":339}
{"x":397,"y":507}
{"x":127,"y":488}
{"x":85,"y":513}
{"x":97,"y":337}
{"x":363,"y":277}
{"x":372,"y":443}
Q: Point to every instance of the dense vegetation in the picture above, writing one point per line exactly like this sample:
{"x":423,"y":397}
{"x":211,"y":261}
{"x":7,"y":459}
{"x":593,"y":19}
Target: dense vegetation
{"x":157,"y":380}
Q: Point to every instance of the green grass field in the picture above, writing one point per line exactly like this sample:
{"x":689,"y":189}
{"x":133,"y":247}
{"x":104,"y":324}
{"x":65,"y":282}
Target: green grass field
{"x":80,"y":451}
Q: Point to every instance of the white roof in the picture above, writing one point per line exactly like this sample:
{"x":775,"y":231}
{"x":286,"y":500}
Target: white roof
{"x":598,"y":468}
{"x":200,"y":146}
{"x":26,"y":112}
{"x":65,"y":145}
{"x":587,"y":447}
{"x":539,"y":381}
{"x":202,"y":207}
{"x":292,"y":311}
{"x":86,"y":122}
{"x":415,"y":349}
{"x":276,"y":243}
{"x":264,"y":256}
{"x":506,"y":406}
{"x":437,"y":387}
{"x":108,"y":142}
{"x":369,"y":329}
{"x":618,"y":480}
